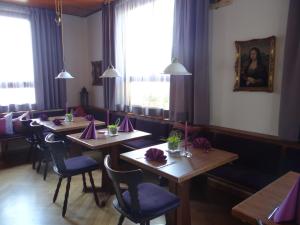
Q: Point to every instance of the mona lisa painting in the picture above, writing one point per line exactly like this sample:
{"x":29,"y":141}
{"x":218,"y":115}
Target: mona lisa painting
{"x":254,"y":67}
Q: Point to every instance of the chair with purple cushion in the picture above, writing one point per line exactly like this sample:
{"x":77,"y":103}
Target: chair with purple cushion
{"x":142,"y":202}
{"x":67,"y":168}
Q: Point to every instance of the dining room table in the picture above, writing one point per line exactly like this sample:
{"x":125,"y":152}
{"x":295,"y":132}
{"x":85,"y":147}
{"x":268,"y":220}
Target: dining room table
{"x":261,"y":205}
{"x":77,"y":124}
{"x":179,"y":170}
{"x":108,"y":144}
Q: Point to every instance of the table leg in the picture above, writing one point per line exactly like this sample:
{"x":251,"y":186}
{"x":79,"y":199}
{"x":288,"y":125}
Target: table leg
{"x":182,"y":215}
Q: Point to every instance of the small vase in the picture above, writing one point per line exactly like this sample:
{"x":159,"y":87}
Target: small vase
{"x":112,"y":130}
{"x":173,"y":145}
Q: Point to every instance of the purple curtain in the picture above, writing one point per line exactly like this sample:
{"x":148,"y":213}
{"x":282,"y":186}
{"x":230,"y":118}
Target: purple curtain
{"x":47,"y":56}
{"x":189,"y":95}
{"x":109,"y":83}
{"x":289,"y":121}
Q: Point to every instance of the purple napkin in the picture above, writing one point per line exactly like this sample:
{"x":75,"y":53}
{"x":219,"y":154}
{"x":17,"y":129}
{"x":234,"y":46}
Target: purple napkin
{"x":154,"y":154}
{"x":44,"y":117}
{"x":89,"y":117}
{"x":89,"y":132}
{"x":57,"y":122}
{"x":289,"y":210}
{"x":202,"y":143}
{"x":126,"y":125}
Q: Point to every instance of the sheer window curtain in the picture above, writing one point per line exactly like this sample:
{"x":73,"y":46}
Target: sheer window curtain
{"x":143,"y":47}
{"x":16,"y":57}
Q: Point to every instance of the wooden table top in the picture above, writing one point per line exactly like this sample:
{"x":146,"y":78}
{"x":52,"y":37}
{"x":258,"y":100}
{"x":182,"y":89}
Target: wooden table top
{"x":78,"y":123}
{"x":107,"y":140}
{"x":178,"y":168}
{"x":263,"y":202}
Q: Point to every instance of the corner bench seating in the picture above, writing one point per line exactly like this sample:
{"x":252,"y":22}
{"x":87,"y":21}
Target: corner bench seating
{"x":5,"y":140}
{"x":262,"y":158}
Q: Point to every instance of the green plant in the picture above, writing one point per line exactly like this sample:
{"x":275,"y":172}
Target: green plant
{"x":113,"y":128}
{"x":69,"y":117}
{"x":174,"y":141}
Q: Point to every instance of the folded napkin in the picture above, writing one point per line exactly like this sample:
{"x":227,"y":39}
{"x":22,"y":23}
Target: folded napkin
{"x":89,"y":117}
{"x":126,"y":125}
{"x":89,"y":132}
{"x":44,"y":117}
{"x":57,"y":122}
{"x":154,"y":154}
{"x":289,"y":210}
{"x":202,"y":143}
{"x":79,"y":112}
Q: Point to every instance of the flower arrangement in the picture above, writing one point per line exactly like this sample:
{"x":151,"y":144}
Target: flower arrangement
{"x":113,"y":128}
{"x":174,"y":140}
{"x":69,"y":117}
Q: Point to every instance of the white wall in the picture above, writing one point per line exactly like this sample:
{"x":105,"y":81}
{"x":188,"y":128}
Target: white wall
{"x":76,"y":57}
{"x":94,"y":27}
{"x":244,"y":20}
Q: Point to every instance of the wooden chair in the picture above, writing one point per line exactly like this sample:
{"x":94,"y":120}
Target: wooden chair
{"x":143,"y":201}
{"x":40,"y":151}
{"x":67,"y":168}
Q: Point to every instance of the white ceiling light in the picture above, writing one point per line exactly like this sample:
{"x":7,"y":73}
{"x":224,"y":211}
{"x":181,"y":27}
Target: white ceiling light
{"x":58,"y":19}
{"x":110,"y":72}
{"x":176,"y":68}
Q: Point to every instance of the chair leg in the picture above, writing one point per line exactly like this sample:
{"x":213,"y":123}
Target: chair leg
{"x":84,"y":183}
{"x":33,"y":154}
{"x":93,"y":187}
{"x":66,"y":196}
{"x":40,"y":158}
{"x":46,"y":169}
{"x":121,"y":220}
{"x":57,"y":189}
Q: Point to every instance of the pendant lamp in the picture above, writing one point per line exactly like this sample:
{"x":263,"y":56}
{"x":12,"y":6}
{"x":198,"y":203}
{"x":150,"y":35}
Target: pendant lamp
{"x":176,"y":68}
{"x":58,"y":19}
{"x":110,"y":72}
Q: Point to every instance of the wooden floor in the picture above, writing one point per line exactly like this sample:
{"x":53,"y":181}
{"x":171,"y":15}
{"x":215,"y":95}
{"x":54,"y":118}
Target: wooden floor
{"x":25,"y":199}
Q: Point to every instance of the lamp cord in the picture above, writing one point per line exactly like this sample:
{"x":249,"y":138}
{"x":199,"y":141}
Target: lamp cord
{"x":109,"y":38}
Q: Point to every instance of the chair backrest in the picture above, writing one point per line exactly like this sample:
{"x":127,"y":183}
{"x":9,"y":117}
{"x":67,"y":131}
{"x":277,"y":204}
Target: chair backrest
{"x":37,"y":132}
{"x":131,"y":179}
{"x":57,"y":149}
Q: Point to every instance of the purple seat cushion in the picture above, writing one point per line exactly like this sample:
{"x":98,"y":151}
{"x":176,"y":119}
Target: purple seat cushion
{"x":247,"y":177}
{"x":157,"y":129}
{"x":153,"y":200}
{"x":142,"y":143}
{"x":80,"y":164}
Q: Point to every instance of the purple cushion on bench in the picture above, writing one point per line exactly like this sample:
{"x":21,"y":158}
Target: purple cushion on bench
{"x":153,"y":199}
{"x":250,"y":178}
{"x":157,"y":129}
{"x":142,"y":143}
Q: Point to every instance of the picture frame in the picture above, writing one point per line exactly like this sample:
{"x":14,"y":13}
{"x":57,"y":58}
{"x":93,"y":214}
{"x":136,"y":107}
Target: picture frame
{"x":255,"y":64}
{"x":96,"y":73}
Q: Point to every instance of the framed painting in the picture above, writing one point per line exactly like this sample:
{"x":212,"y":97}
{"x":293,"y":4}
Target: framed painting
{"x":96,"y":73}
{"x":255,"y":63}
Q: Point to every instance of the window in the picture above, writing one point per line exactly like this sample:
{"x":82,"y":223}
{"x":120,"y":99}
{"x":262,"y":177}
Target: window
{"x":143,"y":44}
{"x":16,"y":62}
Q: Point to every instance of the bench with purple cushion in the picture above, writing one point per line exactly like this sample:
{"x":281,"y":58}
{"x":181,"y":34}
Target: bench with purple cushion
{"x":158,"y":130}
{"x":258,"y":165}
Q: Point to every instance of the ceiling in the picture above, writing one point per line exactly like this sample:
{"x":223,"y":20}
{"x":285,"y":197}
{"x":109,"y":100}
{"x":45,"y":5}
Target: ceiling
{"x":81,"y":8}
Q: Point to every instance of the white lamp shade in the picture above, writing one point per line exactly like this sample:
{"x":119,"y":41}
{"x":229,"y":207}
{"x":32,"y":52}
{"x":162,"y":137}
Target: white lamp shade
{"x":176,"y":68}
{"x":64,"y":75}
{"x":110,"y":72}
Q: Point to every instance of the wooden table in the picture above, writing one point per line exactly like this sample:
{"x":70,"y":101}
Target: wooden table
{"x":109,"y":143}
{"x":78,"y":124}
{"x":262,"y":203}
{"x":179,"y":171}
